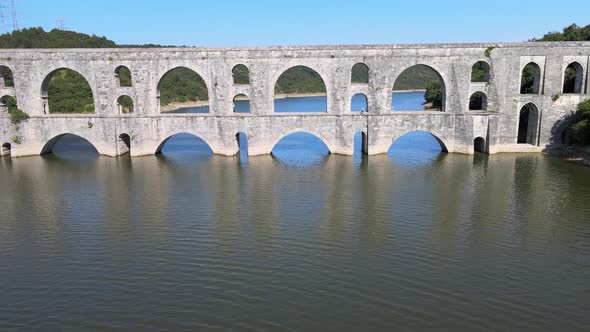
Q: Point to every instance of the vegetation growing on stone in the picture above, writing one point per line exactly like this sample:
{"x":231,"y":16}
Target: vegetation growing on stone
{"x":15,"y":114}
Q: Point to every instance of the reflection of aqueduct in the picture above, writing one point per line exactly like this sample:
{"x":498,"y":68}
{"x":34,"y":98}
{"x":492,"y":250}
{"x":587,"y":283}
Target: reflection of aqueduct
{"x":494,"y":113}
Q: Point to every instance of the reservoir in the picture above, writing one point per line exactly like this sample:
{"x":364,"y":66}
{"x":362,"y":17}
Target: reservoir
{"x":303,"y":240}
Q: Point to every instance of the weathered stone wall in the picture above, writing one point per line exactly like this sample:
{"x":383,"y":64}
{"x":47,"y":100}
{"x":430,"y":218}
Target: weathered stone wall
{"x":456,"y":127}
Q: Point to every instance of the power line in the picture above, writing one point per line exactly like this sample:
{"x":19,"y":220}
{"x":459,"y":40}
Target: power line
{"x":14,"y":20}
{"x":5,"y":22}
{"x":60,"y":24}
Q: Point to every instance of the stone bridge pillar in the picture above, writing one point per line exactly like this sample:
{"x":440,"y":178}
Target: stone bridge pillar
{"x":261,"y":88}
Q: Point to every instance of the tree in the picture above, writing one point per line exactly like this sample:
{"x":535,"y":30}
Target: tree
{"x":581,"y":123}
{"x":570,"y":33}
{"x":434,"y":94}
{"x":527,"y":83}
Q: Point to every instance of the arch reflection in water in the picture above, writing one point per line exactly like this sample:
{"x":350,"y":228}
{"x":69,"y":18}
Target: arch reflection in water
{"x":71,"y":147}
{"x":184,"y":146}
{"x":242,"y":140}
{"x":300,"y":149}
{"x":416,"y":148}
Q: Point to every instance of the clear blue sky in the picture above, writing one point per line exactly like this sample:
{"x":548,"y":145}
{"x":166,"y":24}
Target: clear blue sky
{"x":282,"y":22}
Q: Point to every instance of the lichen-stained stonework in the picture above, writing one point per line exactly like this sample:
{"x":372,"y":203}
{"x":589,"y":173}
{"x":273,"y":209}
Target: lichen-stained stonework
{"x":456,"y":127}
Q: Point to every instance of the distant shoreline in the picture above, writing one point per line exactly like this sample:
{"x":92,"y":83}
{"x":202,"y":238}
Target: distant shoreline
{"x":299,"y":95}
{"x":180,"y":105}
{"x":411,"y":90}
{"x":191,"y":104}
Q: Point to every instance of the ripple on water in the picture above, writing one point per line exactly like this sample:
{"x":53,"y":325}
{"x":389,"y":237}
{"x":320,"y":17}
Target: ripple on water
{"x":302,"y":240}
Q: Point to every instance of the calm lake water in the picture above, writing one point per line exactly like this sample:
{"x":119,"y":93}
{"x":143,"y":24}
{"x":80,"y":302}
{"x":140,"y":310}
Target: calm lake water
{"x":300,"y":240}
{"x":400,"y":101}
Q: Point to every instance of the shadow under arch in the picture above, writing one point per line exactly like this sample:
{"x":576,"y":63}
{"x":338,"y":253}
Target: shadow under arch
{"x":300,"y":148}
{"x":76,"y":142}
{"x":529,"y":117}
{"x":302,"y":132}
{"x":530,"y":78}
{"x":421,"y":140}
{"x":75,"y":75}
{"x":421,"y":76}
{"x":186,"y":141}
{"x":417,"y":148}
{"x":179,"y":77}
{"x":124,"y":144}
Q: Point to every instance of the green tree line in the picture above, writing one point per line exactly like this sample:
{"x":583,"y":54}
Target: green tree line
{"x":570,"y":33}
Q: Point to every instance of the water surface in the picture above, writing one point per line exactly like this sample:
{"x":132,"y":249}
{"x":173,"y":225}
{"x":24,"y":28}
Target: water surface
{"x":300,"y":240}
{"x":400,"y":101}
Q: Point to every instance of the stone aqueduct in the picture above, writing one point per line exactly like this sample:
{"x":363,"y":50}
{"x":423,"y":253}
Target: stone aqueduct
{"x":457,"y":128}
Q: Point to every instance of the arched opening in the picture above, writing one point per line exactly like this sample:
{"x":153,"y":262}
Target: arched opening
{"x":6,"y":78}
{"x":360,"y":74}
{"x":419,"y":140}
{"x":66,"y":91}
{"x":242,"y":140}
{"x":361,"y":143}
{"x":480,"y":72}
{"x":7,"y":104}
{"x":358,"y":103}
{"x":419,"y":88}
{"x":573,"y":78}
{"x":125,"y":104}
{"x":300,"y":149}
{"x":528,"y":124}
{"x":241,"y":74}
{"x":478,"y":102}
{"x":184,"y":144}
{"x":123,"y":76}
{"x":6,"y":148}
{"x":70,"y":146}
{"x":182,"y":90}
{"x":300,"y":89}
{"x":479,"y":145}
{"x":530,"y":82}
{"x":241,"y":104}
{"x":416,"y":147}
{"x":124,"y":144}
